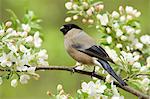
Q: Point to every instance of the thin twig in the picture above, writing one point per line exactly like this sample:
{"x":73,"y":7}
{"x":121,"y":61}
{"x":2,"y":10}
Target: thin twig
{"x":66,"y":68}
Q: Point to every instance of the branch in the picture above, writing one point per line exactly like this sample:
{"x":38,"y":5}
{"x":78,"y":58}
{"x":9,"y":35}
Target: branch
{"x":126,"y":88}
{"x":66,"y":68}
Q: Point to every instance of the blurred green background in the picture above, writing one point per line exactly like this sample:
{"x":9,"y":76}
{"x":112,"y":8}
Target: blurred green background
{"x":53,"y":13}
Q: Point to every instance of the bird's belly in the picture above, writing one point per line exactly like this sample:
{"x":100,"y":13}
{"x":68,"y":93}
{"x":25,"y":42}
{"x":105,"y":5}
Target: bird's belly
{"x":81,"y":57}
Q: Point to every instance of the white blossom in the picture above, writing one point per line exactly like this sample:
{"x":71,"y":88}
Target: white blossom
{"x":99,"y":87}
{"x":123,"y":38}
{"x":115,"y":14}
{"x":24,"y":79}
{"x":23,"y":49}
{"x":116,"y":94}
{"x":129,"y":17}
{"x":138,"y":31}
{"x":136,"y":57}
{"x":9,"y":30}
{"x":42,"y":54}
{"x":26,"y":27}
{"x":27,"y":57}
{"x":31,"y":70}
{"x":145,"y":81}
{"x":13,"y":33}
{"x":129,"y":29}
{"x":137,"y":65}
{"x":12,"y":47}
{"x":108,"y":30}
{"x":103,"y":19}
{"x":42,"y":62}
{"x":37,"y":40}
{"x":112,"y":53}
{"x":119,"y":45}
{"x":1,"y":80}
{"x":109,"y":39}
{"x":145,"y":39}
{"x":1,"y":32}
{"x":109,"y":78}
{"x":14,"y":83}
{"x":148,"y":61}
{"x":29,"y":39}
{"x":116,"y":25}
{"x":92,"y":88}
{"x":89,"y":12}
{"x":5,"y":60}
{"x":129,"y":10}
{"x":119,"y":33}
{"x":128,"y":57}
{"x":75,"y":6}
{"x":22,"y":68}
{"x":68,"y":5}
{"x":143,"y":69}
{"x":117,"y":97}
{"x":139,"y":45}
{"x":23,"y":34}
{"x":122,"y":18}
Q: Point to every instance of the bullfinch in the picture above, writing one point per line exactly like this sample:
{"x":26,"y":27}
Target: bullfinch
{"x":82,"y":48}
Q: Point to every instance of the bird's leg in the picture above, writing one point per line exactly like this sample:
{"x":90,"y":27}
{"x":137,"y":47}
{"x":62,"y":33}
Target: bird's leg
{"x":76,"y":65}
{"x":93,"y":72}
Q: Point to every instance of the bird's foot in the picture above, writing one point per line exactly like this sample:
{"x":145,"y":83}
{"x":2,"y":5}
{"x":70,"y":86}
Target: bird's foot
{"x":93,"y":72}
{"x":76,"y":66}
{"x":73,"y":69}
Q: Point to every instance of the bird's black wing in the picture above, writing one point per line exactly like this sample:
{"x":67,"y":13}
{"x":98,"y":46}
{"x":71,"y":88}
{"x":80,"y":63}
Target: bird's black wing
{"x":95,"y":51}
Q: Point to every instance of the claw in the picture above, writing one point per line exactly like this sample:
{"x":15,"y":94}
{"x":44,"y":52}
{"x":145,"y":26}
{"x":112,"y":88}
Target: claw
{"x":74,"y":68}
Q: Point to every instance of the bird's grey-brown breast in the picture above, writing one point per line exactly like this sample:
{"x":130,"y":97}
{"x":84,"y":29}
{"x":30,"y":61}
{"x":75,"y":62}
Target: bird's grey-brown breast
{"x":77,"y":39}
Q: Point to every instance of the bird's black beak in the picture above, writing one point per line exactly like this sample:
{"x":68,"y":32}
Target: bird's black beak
{"x":63,"y":29}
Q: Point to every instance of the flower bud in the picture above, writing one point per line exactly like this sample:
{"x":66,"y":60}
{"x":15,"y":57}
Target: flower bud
{"x":85,"y":5}
{"x":84,"y":20}
{"x":59,"y":87}
{"x":8,"y":24}
{"x":91,"y":21}
{"x":68,"y":19}
{"x":75,"y":17}
{"x":99,"y":7}
{"x":49,"y":93}
{"x":89,"y":12}
{"x":121,"y":10}
{"x":109,"y":39}
{"x":108,"y":30}
{"x":14,"y":83}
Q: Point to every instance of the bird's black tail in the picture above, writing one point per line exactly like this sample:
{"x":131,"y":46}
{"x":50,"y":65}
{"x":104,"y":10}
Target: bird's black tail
{"x":108,"y":68}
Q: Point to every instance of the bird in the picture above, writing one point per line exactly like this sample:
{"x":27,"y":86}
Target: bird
{"x":83,"y":48}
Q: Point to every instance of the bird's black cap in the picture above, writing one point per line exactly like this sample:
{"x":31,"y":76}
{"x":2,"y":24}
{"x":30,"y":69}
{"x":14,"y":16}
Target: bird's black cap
{"x":65,"y":28}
